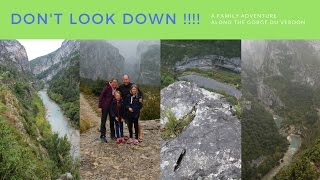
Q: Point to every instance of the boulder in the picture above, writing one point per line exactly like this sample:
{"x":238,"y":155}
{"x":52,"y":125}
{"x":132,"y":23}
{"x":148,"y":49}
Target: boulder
{"x":210,"y":146}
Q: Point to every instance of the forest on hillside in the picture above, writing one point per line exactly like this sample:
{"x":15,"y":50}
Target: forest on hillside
{"x":34,"y":151}
{"x":64,"y":89}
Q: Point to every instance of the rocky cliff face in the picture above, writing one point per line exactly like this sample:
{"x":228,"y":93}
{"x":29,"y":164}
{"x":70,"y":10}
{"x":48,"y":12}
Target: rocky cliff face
{"x":149,"y":54}
{"x":13,"y":53}
{"x":207,"y":148}
{"x":294,"y":61}
{"x":100,"y":59}
{"x":46,"y":67}
{"x":209,"y":62}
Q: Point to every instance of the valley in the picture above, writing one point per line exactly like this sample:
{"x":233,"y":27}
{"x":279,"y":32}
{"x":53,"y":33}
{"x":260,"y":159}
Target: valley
{"x":280,"y":90}
{"x":29,"y":122}
{"x":59,"y":123}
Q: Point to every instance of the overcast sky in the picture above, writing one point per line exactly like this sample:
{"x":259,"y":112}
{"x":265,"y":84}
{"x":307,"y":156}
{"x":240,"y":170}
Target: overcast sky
{"x":36,"y":48}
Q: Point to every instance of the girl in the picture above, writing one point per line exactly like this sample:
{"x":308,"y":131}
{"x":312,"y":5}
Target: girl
{"x":117,"y":111}
{"x":133,"y":107}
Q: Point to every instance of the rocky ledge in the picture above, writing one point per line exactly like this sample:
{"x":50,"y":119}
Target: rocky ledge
{"x":210,"y":146}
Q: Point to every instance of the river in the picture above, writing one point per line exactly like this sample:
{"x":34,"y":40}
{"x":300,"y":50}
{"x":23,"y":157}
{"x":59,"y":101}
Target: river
{"x":211,"y":84}
{"x":295,"y":143}
{"x":59,"y":123}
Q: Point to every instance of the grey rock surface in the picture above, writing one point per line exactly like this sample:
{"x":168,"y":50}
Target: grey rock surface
{"x":100,"y":59}
{"x":149,"y":62}
{"x":209,"y":62}
{"x":297,"y":61}
{"x":47,"y":66}
{"x":13,"y":53}
{"x":211,"y":142}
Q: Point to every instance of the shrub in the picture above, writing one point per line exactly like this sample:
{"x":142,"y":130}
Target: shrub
{"x":84,"y":125}
{"x":18,"y":162}
{"x":151,"y":103}
{"x":174,"y":126}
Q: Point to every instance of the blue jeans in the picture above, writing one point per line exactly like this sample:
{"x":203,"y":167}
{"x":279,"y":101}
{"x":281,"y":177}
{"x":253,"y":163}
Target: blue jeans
{"x":119,"y":129}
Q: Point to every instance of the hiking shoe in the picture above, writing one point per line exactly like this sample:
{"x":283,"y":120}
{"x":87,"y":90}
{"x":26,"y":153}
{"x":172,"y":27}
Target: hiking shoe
{"x":129,"y":141}
{"x":136,"y":142}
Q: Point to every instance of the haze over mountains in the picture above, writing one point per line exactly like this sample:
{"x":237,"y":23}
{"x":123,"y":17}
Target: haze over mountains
{"x":106,"y":59}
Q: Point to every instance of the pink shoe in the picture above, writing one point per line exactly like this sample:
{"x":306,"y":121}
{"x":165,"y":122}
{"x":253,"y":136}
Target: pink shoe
{"x":136,"y":142}
{"x":123,"y":140}
{"x":118,"y":140}
{"x":129,"y":141}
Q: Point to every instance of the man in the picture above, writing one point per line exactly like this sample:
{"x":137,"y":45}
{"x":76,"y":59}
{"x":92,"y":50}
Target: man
{"x":124,"y":88}
{"x":105,"y":100}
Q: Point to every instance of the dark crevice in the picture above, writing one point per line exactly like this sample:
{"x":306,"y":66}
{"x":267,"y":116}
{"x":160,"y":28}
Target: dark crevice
{"x":177,"y":165}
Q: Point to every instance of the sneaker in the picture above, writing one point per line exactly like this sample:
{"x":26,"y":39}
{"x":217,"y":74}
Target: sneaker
{"x":136,"y":142}
{"x":129,"y":141}
{"x":119,"y":140}
{"x":123,"y":140}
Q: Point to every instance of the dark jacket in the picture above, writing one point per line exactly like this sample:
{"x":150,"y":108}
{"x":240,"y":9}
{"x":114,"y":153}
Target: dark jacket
{"x":125,"y":91}
{"x":134,"y":103}
{"x":106,"y":97}
{"x":117,"y":109}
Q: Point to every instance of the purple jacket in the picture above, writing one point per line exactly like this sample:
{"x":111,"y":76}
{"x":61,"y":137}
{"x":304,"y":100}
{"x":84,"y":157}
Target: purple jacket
{"x":106,"y":97}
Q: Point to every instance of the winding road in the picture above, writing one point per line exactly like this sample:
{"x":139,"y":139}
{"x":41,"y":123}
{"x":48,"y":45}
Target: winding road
{"x":211,"y":84}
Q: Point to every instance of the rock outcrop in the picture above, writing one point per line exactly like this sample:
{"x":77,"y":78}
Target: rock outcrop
{"x":207,"y":148}
{"x":100,"y":60}
{"x":13,"y":53}
{"x":209,"y":62}
{"x":46,"y":67}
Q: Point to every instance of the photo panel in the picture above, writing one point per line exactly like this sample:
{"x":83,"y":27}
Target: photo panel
{"x":120,"y":109}
{"x":280,"y":120}
{"x":200,"y":109}
{"x":39,"y":109}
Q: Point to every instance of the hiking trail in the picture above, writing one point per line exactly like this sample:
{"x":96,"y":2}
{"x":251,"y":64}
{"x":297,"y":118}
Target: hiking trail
{"x":118,"y":161}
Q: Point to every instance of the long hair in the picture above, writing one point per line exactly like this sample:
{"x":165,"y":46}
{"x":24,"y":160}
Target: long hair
{"x":134,"y":86}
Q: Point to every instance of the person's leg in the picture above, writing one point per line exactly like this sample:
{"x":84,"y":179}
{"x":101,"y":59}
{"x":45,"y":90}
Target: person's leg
{"x":112,"y":130}
{"x":103,"y":123}
{"x":136,"y":128}
{"x":117,"y":129}
{"x":121,"y":129}
{"x":130,"y":124}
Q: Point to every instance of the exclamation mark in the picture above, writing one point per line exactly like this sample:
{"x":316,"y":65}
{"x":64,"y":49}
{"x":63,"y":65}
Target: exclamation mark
{"x":198,"y":17}
{"x":193,"y":18}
